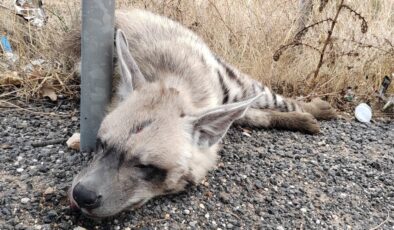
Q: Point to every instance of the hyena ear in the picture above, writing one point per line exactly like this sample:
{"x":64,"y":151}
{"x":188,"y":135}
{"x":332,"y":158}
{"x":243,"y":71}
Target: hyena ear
{"x":131,"y":76}
{"x":210,"y":127}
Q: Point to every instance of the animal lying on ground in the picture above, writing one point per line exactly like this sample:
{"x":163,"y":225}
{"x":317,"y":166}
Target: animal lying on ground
{"x":175,"y":101}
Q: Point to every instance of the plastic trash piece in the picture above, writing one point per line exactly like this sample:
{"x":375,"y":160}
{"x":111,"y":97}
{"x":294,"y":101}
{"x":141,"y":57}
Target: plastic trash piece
{"x":385,"y":84}
{"x":7,"y":49}
{"x":5,"y":44}
{"x":389,"y":104}
{"x":363,"y":113}
{"x":32,"y":11}
{"x":349,"y":96}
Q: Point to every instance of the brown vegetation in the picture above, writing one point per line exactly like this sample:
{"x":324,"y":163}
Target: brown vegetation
{"x":335,"y":53}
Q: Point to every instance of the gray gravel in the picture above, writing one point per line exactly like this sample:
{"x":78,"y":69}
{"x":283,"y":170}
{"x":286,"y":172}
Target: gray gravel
{"x":340,"y":179}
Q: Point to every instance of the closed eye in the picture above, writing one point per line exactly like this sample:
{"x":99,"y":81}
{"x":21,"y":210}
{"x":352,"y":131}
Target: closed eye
{"x":152,"y":173}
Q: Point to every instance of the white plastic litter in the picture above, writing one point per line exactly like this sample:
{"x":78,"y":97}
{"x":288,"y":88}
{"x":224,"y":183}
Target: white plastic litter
{"x":363,"y":113}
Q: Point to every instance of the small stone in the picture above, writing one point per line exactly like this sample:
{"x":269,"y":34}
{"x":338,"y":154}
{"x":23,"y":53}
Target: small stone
{"x":46,"y":227}
{"x":43,"y":168}
{"x":25,"y":200}
{"x":6,"y":211}
{"x":79,"y":228}
{"x":49,"y":191}
{"x":343,"y":195}
{"x":19,"y":170}
{"x":167,"y":216}
{"x":202,"y":206}
{"x":207,"y":215}
{"x":187,"y":212}
{"x":303,"y":210}
{"x":50,"y":217}
{"x":20,"y":226}
{"x":280,"y":227}
{"x":321,"y":143}
{"x":193,"y":224}
{"x":225,"y":197}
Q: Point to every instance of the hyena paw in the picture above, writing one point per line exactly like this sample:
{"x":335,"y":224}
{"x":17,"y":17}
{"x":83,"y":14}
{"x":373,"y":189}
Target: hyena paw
{"x":320,"y":109}
{"x":307,"y":123}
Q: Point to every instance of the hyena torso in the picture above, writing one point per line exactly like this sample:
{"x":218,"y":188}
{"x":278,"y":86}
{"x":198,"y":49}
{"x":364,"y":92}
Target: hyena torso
{"x":162,"y":47}
{"x":176,"y":100}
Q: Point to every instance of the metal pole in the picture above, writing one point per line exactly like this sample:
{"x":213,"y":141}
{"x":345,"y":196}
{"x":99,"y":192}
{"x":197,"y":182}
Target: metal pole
{"x":96,"y":70}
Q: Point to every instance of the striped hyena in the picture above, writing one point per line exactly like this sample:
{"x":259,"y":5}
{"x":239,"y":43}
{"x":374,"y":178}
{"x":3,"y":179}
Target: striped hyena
{"x":176,"y":99}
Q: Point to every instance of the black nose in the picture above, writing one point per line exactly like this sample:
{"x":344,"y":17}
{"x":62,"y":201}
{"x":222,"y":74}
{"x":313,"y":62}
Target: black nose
{"x":85,"y":198}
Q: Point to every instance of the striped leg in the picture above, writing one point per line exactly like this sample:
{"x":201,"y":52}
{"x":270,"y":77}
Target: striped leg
{"x":237,"y":86}
{"x":295,"y":121}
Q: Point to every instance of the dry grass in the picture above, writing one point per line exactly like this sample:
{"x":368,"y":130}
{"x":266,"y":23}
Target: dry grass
{"x":246,"y":33}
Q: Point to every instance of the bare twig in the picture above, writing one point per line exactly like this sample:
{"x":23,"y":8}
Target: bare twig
{"x":328,"y":39}
{"x":381,"y":224}
{"x":12,"y":105}
{"x":302,"y":32}
{"x":49,"y":142}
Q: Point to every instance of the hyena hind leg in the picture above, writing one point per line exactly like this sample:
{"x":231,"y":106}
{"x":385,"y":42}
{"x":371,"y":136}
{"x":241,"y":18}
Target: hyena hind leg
{"x":294,"y":121}
{"x":320,"y":109}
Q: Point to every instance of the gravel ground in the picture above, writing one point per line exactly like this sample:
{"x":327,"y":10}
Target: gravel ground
{"x":340,"y":179}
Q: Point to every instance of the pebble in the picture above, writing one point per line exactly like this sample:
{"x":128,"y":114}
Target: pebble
{"x":19,"y":170}
{"x":186,"y":211}
{"x":49,"y":191}
{"x":25,"y":200}
{"x":79,"y":228}
{"x":224,"y":197}
{"x":193,"y":224}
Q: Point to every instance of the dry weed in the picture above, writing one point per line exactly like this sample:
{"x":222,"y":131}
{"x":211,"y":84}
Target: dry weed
{"x":246,"y":33}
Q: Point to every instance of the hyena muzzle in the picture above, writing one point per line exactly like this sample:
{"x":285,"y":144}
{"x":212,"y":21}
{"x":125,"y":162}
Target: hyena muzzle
{"x":174,"y":102}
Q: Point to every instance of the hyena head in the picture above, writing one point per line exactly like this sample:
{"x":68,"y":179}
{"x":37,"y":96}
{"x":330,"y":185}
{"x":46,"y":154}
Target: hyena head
{"x":151,"y":144}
